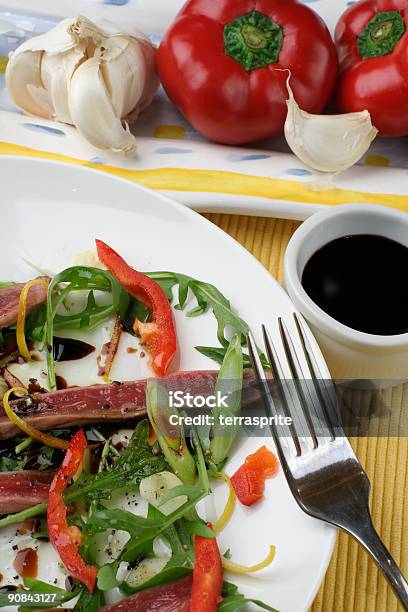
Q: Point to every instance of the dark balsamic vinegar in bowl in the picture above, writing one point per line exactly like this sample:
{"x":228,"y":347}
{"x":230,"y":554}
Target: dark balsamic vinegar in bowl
{"x":361,"y":281}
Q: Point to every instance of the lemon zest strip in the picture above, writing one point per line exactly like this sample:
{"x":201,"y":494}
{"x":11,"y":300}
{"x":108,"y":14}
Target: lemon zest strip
{"x":21,"y":317}
{"x":226,"y":515}
{"x":24,"y":426}
{"x":236,"y":568}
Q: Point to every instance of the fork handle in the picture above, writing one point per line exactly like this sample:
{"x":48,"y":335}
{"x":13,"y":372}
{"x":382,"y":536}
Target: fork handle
{"x":366,"y":535}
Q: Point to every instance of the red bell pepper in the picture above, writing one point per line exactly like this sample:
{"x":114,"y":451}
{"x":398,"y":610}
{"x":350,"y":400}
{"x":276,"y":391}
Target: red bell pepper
{"x":225,"y":63}
{"x":66,"y":539}
{"x":249,"y":480}
{"x":159,"y":334}
{"x":372,"y":42}
{"x":207,"y":575}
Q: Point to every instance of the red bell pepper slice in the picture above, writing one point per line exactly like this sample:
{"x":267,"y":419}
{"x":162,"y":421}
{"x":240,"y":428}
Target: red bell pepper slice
{"x":249,"y":480}
{"x":263,"y":460}
{"x":249,"y":485}
{"x":207,"y":575}
{"x":159,"y":334}
{"x":66,"y":539}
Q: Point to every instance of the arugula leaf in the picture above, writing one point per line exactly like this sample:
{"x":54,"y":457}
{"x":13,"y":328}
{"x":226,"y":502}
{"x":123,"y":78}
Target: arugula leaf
{"x":79,"y":278}
{"x":199,"y":528}
{"x":180,"y":563}
{"x":35,"y":323}
{"x":89,"y":602}
{"x":217,"y":354}
{"x":178,"y":491}
{"x":45,"y":457}
{"x":136,"y":310}
{"x":134,"y":463}
{"x":11,"y":465}
{"x":233,"y":600}
{"x":37,"y":587}
{"x":207,"y":297}
{"x":142,"y":530}
{"x":44,"y":587}
{"x":30,"y":454}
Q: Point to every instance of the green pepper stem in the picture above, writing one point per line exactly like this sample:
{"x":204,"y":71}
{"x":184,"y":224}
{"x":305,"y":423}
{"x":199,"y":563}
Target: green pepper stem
{"x":381,"y":34}
{"x":253,"y":40}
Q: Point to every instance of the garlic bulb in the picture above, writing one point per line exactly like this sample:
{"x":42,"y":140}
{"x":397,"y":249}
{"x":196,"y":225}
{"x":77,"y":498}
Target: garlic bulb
{"x":95,"y":77}
{"x":328,"y":143}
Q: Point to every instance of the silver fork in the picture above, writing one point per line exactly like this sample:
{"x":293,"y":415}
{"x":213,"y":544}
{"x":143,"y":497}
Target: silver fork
{"x":323,"y":473}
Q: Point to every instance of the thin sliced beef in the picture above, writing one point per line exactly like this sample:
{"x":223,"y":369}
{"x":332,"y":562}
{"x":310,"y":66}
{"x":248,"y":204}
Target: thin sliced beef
{"x":20,"y":490}
{"x":9,"y":298}
{"x":97,"y":403}
{"x":170,"y":597}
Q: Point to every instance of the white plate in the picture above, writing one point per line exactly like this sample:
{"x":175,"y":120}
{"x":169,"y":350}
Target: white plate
{"x":261,"y":179}
{"x":50,"y":212}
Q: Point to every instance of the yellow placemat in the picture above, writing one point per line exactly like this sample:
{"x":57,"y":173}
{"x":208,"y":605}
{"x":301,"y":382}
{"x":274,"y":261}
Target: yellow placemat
{"x":352,"y":583}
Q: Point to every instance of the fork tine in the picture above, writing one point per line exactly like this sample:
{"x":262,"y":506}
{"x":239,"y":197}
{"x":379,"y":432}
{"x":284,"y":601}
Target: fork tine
{"x":306,"y":385}
{"x":290,"y":397}
{"x":279,"y":432}
{"x":280,"y":377}
{"x":324,"y":385}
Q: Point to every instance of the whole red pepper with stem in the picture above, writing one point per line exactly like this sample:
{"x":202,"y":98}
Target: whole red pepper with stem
{"x":224,"y":63}
{"x":372,"y":42}
{"x":65,"y":538}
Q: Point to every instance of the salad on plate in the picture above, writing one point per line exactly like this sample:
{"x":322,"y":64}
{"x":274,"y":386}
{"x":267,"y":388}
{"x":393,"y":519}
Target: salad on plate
{"x":105,"y":485}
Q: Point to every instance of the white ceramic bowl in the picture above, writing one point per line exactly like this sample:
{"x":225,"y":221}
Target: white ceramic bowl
{"x":350,"y":354}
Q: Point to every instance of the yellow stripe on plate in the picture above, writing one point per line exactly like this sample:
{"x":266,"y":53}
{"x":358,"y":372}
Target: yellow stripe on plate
{"x":3,"y":63}
{"x":217,"y":181}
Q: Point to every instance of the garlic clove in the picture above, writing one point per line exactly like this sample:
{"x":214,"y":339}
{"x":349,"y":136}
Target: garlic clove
{"x":92,"y":111}
{"x":23,"y":81}
{"x":327,"y":143}
{"x":124,"y":73}
{"x":82,"y":27}
{"x":56,"y":73}
{"x":67,"y":34}
{"x":153,"y":82}
{"x":57,"y":40}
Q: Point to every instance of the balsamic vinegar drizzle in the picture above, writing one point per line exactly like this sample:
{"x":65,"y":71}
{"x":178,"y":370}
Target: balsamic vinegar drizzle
{"x":361,"y":281}
{"x":26,"y":563}
{"x":68,"y":349}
